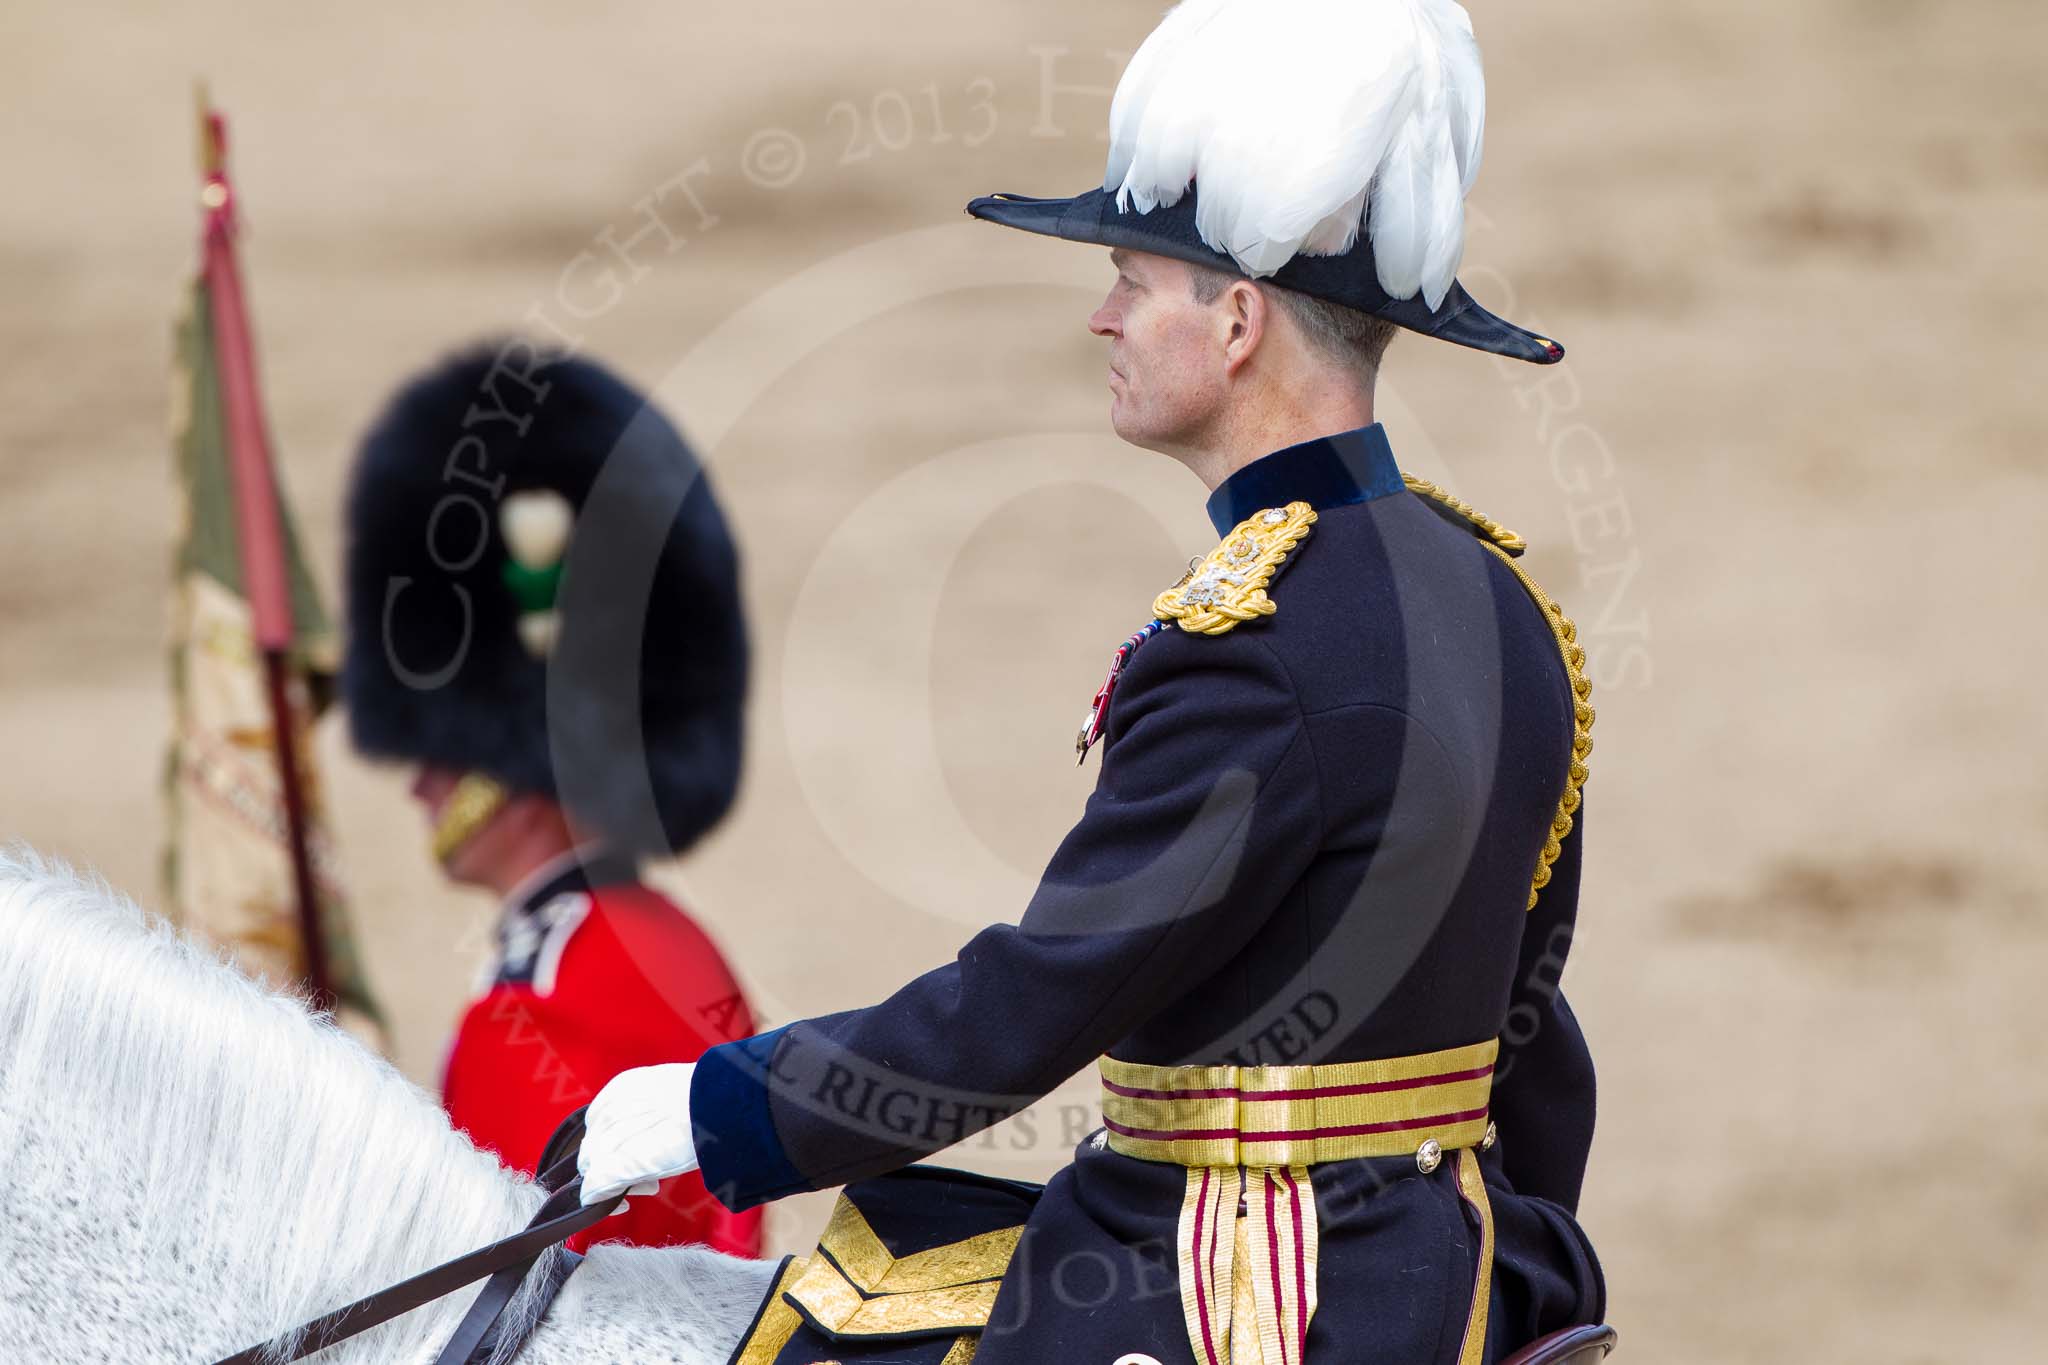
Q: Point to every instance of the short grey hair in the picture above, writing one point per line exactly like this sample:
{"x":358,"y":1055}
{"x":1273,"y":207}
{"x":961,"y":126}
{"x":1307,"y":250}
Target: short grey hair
{"x":1357,"y":339}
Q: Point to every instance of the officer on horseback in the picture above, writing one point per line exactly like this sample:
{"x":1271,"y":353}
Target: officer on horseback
{"x":508,"y":511}
{"x":1334,"y":845}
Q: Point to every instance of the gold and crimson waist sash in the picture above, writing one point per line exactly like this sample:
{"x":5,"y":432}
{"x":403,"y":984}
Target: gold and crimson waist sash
{"x":1250,"y":1137}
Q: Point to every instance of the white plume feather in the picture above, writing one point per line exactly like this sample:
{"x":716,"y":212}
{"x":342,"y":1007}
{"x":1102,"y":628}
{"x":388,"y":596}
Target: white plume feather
{"x":1303,"y":120}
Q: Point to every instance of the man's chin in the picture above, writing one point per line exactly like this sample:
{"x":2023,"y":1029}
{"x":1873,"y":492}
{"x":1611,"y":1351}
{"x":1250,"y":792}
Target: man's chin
{"x":1133,"y":432}
{"x":1124,"y":425}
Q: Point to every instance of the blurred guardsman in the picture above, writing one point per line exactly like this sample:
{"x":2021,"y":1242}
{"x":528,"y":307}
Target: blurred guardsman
{"x":544,"y":617}
{"x":1312,"y":918}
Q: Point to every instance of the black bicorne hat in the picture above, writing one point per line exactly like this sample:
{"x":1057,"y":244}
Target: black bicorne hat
{"x":600,"y":660}
{"x":1333,"y":158}
{"x":1351,"y":279}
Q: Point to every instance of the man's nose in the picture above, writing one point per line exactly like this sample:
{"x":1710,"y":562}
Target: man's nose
{"x":1104,"y":322}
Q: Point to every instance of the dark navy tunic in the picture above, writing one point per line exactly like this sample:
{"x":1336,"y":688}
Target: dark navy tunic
{"x":1312,"y":840}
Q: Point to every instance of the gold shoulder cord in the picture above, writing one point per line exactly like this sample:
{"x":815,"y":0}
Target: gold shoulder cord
{"x":1500,"y":540}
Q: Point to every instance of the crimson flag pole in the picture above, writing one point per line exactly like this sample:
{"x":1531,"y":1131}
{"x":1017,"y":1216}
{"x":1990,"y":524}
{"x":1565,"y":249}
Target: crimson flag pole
{"x":265,"y":577}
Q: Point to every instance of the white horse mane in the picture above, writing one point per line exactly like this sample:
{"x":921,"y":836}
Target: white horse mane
{"x":201,"y":1130}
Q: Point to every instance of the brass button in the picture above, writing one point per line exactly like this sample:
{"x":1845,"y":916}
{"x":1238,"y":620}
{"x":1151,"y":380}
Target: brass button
{"x":1429,"y":1155}
{"x":1492,"y":1136}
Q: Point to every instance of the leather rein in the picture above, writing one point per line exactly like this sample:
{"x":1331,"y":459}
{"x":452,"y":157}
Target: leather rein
{"x":506,"y":1262}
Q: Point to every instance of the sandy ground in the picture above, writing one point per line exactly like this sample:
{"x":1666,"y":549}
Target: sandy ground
{"x":1789,"y":482}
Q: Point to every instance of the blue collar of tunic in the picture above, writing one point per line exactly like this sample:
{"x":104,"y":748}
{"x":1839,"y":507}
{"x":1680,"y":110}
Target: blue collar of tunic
{"x":1330,"y":471}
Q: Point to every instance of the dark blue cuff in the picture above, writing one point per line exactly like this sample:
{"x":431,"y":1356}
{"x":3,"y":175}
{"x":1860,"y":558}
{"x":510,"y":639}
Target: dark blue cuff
{"x":741,"y":1158}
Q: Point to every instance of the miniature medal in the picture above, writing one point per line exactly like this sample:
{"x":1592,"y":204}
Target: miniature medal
{"x":1098,"y":714}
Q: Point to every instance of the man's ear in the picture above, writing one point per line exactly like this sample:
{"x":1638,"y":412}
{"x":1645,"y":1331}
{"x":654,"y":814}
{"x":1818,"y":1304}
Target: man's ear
{"x":1244,"y":317}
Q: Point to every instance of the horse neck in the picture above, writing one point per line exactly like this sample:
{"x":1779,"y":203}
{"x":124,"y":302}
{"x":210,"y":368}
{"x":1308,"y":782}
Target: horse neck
{"x":85,"y":1278}
{"x":190,"y":1163}
{"x":191,"y":1203}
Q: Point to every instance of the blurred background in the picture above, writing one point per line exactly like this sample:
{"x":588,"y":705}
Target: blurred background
{"x":1789,"y":482}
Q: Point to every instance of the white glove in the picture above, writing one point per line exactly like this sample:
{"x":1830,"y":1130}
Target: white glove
{"x":637,"y":1132}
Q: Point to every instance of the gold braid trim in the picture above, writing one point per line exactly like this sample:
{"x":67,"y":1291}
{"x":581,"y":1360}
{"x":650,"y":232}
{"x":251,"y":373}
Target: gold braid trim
{"x":851,"y":1241}
{"x":1472,"y":1189}
{"x":857,"y":1287}
{"x":1501,"y":540}
{"x":1497,"y":533}
{"x":840,"y":1309}
{"x":777,"y":1322}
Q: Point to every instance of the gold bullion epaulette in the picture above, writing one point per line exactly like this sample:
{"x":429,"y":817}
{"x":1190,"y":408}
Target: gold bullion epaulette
{"x":1228,"y":585}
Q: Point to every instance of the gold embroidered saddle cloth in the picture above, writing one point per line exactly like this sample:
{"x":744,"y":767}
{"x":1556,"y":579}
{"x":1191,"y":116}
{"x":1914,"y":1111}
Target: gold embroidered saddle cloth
{"x":1251,"y":1138}
{"x":906,"y":1272}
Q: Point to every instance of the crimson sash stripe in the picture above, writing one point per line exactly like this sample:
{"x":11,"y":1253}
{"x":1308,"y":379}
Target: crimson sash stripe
{"x":1321,"y":1092}
{"x":1300,"y":1265}
{"x":1290,"y":1134}
{"x":1205,"y":1264}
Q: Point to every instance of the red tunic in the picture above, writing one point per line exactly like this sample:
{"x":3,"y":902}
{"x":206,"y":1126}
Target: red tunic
{"x":595,"y":974}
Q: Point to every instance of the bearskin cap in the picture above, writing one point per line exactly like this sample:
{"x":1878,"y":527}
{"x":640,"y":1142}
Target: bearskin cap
{"x":541,"y":587}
